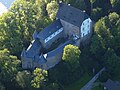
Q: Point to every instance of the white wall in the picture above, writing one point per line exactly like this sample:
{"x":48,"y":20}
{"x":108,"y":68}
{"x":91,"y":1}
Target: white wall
{"x":85,"y":27}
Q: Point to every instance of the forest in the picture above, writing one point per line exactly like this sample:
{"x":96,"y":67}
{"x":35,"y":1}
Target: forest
{"x":25,"y":16}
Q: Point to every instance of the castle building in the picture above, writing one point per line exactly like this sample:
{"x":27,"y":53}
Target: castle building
{"x":72,"y":26}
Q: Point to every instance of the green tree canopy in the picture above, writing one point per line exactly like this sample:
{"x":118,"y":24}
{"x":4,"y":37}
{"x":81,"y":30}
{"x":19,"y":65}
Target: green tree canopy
{"x":8,"y":69}
{"x":52,"y":9}
{"x":39,"y":78}
{"x":71,"y":55}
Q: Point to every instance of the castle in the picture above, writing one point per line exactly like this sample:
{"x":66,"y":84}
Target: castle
{"x":72,"y":26}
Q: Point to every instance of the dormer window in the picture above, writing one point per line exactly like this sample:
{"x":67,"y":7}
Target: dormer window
{"x":83,"y":29}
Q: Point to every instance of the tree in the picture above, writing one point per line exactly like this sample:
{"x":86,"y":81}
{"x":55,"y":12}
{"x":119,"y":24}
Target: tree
{"x":112,"y":63}
{"x":115,"y":5}
{"x":8,"y":69}
{"x":39,"y":77}
{"x":19,"y":23}
{"x":71,"y":55}
{"x":92,"y":2}
{"x":23,"y":79}
{"x":96,"y":13}
{"x":41,"y":8}
{"x":97,"y":46}
{"x":2,"y":87}
{"x":105,"y":36}
{"x":52,"y":8}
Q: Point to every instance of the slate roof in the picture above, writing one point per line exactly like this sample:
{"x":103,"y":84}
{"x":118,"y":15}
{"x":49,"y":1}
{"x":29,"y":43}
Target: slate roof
{"x":71,"y":15}
{"x":50,"y":29}
{"x":33,"y":48}
{"x":112,"y":85}
{"x":59,"y":49}
{"x":42,"y":59}
{"x":35,"y":35}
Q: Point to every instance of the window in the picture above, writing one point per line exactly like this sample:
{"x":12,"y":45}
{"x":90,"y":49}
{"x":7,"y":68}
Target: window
{"x":83,"y":34}
{"x":53,"y":35}
{"x":88,"y":21}
{"x":83,"y":28}
{"x":83,"y":23}
{"x":88,"y":31}
{"x":88,"y":26}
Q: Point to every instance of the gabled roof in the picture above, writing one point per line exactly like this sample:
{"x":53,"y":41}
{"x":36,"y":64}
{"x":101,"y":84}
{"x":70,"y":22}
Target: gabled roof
{"x":50,"y":29}
{"x":33,"y":48}
{"x":71,"y":15}
{"x":112,"y":85}
{"x":59,"y":50}
{"x":42,"y":59}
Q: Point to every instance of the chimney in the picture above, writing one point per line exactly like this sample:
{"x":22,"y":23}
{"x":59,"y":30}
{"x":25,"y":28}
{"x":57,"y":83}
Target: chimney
{"x":68,"y":4}
{"x":60,"y":4}
{"x":84,"y":11}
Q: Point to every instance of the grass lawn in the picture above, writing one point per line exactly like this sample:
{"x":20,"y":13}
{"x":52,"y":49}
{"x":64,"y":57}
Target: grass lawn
{"x":80,"y":83}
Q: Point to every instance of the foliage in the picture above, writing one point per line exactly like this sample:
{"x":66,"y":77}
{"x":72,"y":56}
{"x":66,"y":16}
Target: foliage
{"x":8,"y":66}
{"x":79,"y":83}
{"x":23,"y":79}
{"x":52,"y":9}
{"x":71,"y":55}
{"x":52,"y":86}
{"x":115,"y":5}
{"x":39,"y":78}
{"x":106,"y":33}
{"x":19,"y":23}
{"x":104,"y":77}
{"x":112,"y":62}
{"x":26,"y":16}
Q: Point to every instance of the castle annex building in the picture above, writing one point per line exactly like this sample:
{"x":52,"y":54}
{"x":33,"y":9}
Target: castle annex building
{"x":72,"y":26}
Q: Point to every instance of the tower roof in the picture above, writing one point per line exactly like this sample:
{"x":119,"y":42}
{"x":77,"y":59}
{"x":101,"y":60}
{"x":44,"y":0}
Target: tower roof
{"x":71,"y":15}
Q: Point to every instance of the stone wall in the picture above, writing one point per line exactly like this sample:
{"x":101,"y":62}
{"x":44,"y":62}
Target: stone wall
{"x":27,"y":63}
{"x":70,"y":29}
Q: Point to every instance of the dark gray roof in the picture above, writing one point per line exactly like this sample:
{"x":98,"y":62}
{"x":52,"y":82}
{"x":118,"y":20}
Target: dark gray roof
{"x":112,"y":85}
{"x":42,"y":59}
{"x":71,"y":14}
{"x":33,"y":49}
{"x":35,"y":35}
{"x":59,"y":49}
{"x":50,"y":29}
